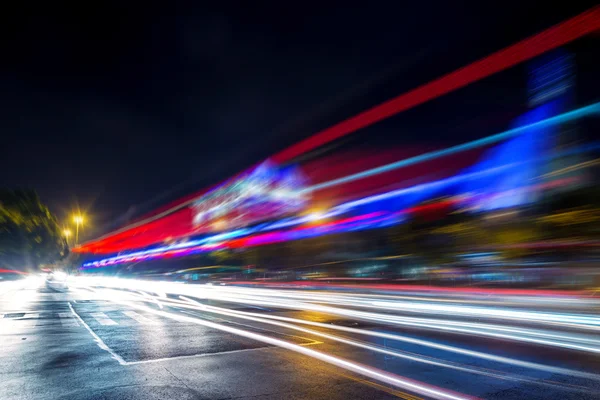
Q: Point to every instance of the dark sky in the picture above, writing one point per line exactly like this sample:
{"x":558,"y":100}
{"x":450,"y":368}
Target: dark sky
{"x":132,"y":104}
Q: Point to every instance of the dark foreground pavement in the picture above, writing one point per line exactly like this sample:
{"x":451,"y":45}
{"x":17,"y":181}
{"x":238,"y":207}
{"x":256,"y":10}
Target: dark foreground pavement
{"x":78,"y":345}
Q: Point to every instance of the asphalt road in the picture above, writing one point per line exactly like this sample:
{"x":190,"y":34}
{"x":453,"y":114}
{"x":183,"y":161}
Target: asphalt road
{"x":91,"y":342}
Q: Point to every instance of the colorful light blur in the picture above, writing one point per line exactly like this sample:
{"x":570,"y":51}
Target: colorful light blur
{"x":176,"y":215}
{"x":263,"y":193}
{"x":180,"y":222}
{"x":558,"y":35}
{"x":492,"y":182}
{"x":499,"y":315}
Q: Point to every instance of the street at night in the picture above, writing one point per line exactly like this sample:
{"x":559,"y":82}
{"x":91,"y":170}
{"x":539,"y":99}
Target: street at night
{"x":97,"y":341}
{"x":292,"y":201}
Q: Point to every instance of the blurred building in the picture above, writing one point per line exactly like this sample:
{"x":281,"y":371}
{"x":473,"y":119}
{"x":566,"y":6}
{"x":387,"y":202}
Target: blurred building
{"x":552,"y":79}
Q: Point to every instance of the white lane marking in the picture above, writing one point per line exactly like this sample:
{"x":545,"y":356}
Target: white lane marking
{"x":155,"y":360}
{"x":67,"y":320}
{"x":374,"y":373}
{"x":99,"y":341}
{"x":103,"y":319}
{"x":309,"y":342}
{"x":139,"y":318}
{"x":121,"y":361}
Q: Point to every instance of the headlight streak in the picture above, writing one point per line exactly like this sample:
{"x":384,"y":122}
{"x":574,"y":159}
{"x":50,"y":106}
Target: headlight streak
{"x":500,"y":359}
{"x":490,"y":312}
{"x":439,"y":323}
{"x":373,"y":373}
{"x":268,"y":298}
{"x":477,"y":329}
{"x":567,"y":320}
{"x":395,"y":353}
{"x":240,"y":294}
{"x":280,"y":299}
{"x":570,"y":341}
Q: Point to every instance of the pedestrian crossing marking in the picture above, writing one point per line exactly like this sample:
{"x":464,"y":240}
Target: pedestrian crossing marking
{"x":46,"y":319}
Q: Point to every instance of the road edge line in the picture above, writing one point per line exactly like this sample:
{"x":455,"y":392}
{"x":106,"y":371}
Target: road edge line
{"x":97,"y":339}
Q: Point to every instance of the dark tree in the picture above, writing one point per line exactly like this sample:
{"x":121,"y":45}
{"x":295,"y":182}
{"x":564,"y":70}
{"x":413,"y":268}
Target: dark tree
{"x":29,"y":234}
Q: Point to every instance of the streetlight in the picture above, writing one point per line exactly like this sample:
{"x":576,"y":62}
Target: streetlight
{"x":78,"y":219}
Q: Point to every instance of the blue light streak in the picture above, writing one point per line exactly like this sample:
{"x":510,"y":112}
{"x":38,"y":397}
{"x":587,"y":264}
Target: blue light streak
{"x":558,"y":119}
{"x":346,"y":207}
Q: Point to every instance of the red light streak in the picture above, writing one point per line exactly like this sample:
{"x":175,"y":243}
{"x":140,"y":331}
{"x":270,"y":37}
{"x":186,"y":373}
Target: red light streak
{"x":558,"y":35}
{"x":12,"y":271}
{"x":524,"y":50}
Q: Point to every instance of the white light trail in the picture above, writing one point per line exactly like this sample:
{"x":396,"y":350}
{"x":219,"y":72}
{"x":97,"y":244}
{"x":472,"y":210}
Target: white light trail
{"x":437,"y":316}
{"x":373,"y":373}
{"x":265,"y":319}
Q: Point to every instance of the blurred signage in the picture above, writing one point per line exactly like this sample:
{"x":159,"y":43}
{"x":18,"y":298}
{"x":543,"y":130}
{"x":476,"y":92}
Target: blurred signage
{"x":263,"y":193}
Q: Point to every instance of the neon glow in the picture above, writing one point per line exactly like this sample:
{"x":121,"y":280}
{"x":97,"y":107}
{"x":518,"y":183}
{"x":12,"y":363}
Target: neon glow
{"x":264,"y":192}
{"x":556,"y":36}
{"x":351,"y":224}
{"x":243,"y":237}
{"x":262,"y":213}
{"x":547,"y":329}
{"x":559,"y":119}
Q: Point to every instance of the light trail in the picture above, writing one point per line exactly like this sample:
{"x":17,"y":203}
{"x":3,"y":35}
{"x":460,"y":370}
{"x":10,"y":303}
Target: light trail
{"x":293,"y":300}
{"x":556,"y":36}
{"x":568,"y":341}
{"x":563,"y":340}
{"x":290,"y":299}
{"x":256,"y":235}
{"x":569,"y":320}
{"x":373,"y":373}
{"x":551,"y":38}
{"x":120,"y":292}
{"x":394,"y":353}
{"x":287,"y":323}
{"x":264,"y":319}
{"x":559,"y":119}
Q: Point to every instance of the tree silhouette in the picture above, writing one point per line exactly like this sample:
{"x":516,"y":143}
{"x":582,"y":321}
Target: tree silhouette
{"x":29,"y":233}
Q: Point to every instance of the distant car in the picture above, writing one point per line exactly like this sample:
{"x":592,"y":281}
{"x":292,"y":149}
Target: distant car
{"x":57,"y":281}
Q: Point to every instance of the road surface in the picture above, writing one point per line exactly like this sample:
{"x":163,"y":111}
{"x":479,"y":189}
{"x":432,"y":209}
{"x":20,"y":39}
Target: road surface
{"x":100,"y":341}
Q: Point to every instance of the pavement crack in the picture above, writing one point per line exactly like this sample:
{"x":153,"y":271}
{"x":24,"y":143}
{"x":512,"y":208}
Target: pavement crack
{"x":178,"y":379}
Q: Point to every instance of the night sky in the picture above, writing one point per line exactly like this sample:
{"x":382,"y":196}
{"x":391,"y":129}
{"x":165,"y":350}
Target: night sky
{"x":130,"y":106}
